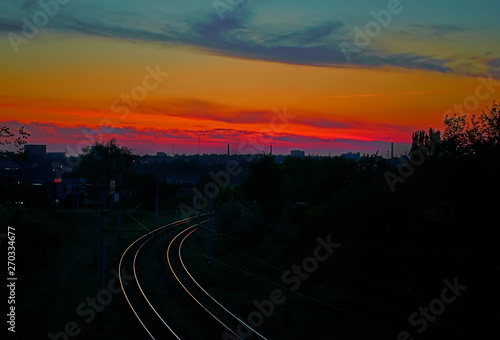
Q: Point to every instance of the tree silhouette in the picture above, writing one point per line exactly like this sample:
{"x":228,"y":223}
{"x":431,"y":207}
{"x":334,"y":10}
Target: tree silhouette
{"x":105,"y":161}
{"x":490,"y":125}
{"x":464,"y":137}
{"x":426,"y":142}
{"x":7,"y":137}
{"x":265,"y":185}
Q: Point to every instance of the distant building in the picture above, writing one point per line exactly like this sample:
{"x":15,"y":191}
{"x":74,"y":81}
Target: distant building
{"x":354,"y":156}
{"x":56,"y":154}
{"x":35,"y":151}
{"x":297,"y":153}
{"x":161,"y":154}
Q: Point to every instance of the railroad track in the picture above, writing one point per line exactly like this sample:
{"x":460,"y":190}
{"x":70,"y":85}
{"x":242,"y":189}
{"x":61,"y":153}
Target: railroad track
{"x":155,"y":324}
{"x":231,"y":324}
{"x":169,"y":303}
{"x":196,"y":314}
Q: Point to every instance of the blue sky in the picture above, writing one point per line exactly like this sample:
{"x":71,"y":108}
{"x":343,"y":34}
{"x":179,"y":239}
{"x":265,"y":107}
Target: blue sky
{"x":303,"y":32}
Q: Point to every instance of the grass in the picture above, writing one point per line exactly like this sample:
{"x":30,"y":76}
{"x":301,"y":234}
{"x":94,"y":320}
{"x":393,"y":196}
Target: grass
{"x":56,"y":275}
{"x":55,"y":271}
{"x":242,"y":274}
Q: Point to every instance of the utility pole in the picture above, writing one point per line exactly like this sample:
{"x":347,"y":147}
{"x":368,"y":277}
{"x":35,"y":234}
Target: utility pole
{"x":78,"y":196}
{"x":286,"y":304}
{"x":73,"y":187}
{"x":119,"y":235}
{"x":102,"y":276}
{"x":198,"y":231}
{"x":209,"y":249}
{"x":96,"y":231}
{"x":156,"y":203}
{"x":118,"y":188}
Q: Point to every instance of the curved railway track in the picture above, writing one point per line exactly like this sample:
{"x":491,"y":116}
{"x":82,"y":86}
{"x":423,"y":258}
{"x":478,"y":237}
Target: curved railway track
{"x":220,"y":314}
{"x":155,"y":325}
{"x":169,"y":303}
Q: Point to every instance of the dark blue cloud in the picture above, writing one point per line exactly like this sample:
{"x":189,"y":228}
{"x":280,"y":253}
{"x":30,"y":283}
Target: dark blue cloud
{"x":315,"y":43}
{"x":495,"y":63}
{"x":431,"y":30}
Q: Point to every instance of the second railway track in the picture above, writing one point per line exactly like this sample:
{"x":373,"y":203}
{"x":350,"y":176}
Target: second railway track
{"x":165,"y":299}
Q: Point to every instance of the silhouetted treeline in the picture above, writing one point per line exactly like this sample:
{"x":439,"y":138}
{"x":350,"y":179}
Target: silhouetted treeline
{"x":439,"y":221}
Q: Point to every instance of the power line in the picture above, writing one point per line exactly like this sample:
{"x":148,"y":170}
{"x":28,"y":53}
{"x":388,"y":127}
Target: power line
{"x":307,"y":297}
{"x":348,"y":274}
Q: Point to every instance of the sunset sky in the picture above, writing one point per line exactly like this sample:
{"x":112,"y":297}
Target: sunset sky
{"x":320,"y":75}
